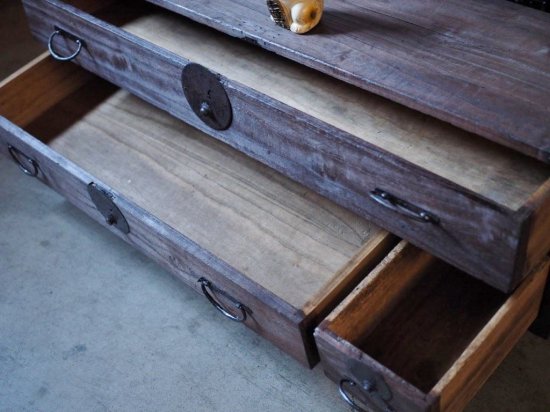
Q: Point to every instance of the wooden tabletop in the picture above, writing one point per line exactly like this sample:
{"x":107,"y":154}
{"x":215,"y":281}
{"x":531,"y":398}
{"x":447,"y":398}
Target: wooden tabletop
{"x":481,"y":65}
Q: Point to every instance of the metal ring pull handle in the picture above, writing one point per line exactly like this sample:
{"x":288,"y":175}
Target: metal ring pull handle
{"x":207,"y":286}
{"x":401,"y":206}
{"x":346,"y":396}
{"x":16,"y":155}
{"x":59,"y":32}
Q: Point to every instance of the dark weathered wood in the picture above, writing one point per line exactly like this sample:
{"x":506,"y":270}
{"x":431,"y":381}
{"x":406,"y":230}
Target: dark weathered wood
{"x":485,"y":353}
{"x":482,"y":66}
{"x":434,"y":335}
{"x":476,"y":234}
{"x":16,"y":42}
{"x":198,"y":207}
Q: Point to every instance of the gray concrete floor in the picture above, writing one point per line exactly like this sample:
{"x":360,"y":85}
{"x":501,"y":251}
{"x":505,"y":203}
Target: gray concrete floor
{"x":89,"y":324}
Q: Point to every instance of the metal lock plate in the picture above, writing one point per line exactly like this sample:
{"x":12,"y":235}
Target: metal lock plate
{"x":106,"y":206}
{"x":372,"y":385}
{"x":206,"y":96}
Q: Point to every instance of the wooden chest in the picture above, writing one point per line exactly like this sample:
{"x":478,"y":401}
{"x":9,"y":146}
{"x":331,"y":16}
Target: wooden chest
{"x":281,"y":194}
{"x":468,"y":201}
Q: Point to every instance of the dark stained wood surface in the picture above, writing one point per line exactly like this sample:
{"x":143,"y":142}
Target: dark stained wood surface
{"x":480,"y":65}
{"x":491,"y":346}
{"x":21,"y":103}
{"x":477,"y":235}
{"x":336,"y":355}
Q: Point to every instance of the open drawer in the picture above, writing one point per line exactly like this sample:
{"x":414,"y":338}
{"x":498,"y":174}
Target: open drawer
{"x":265,"y":250}
{"x":477,"y":205}
{"x":420,"y":335}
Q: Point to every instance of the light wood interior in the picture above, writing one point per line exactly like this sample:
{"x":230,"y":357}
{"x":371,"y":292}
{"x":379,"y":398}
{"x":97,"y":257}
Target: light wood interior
{"x":494,"y":342}
{"x":494,"y":172}
{"x":21,"y":103}
{"x":419,"y":323}
{"x":285,"y":237}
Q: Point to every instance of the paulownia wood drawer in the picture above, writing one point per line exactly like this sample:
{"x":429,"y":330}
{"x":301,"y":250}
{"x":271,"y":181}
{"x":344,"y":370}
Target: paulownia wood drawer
{"x":473,"y":203}
{"x":420,"y":335}
{"x":195,"y":205}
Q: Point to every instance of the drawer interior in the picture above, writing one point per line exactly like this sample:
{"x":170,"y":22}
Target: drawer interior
{"x":430,"y":326}
{"x":470,"y":202}
{"x":278,"y":233}
{"x":430,"y":330}
{"x":495,"y":173}
{"x":425,"y":328}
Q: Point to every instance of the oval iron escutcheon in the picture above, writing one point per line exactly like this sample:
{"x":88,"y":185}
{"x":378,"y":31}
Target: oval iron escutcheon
{"x":206,"y":96}
{"x":105,"y":205}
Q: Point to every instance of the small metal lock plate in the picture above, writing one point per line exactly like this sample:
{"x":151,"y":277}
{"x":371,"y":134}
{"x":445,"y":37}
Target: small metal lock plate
{"x":206,"y":96}
{"x":372,"y":384}
{"x":104,"y":203}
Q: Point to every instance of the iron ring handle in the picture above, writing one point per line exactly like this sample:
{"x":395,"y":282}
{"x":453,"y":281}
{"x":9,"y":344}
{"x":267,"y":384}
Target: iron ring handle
{"x":388,"y":203}
{"x":206,"y":287}
{"x":16,"y":154}
{"x":391,"y":202}
{"x":57,"y":56}
{"x":346,"y":396}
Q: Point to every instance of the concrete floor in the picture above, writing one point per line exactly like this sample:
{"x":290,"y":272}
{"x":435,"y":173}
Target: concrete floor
{"x":89,"y":324}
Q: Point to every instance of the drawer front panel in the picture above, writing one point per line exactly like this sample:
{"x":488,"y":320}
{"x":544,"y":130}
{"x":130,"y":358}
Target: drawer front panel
{"x":266,"y":314}
{"x":470,"y":232}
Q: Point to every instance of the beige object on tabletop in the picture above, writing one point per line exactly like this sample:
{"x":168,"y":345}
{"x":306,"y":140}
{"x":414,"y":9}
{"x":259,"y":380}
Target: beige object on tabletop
{"x":299,"y":16}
